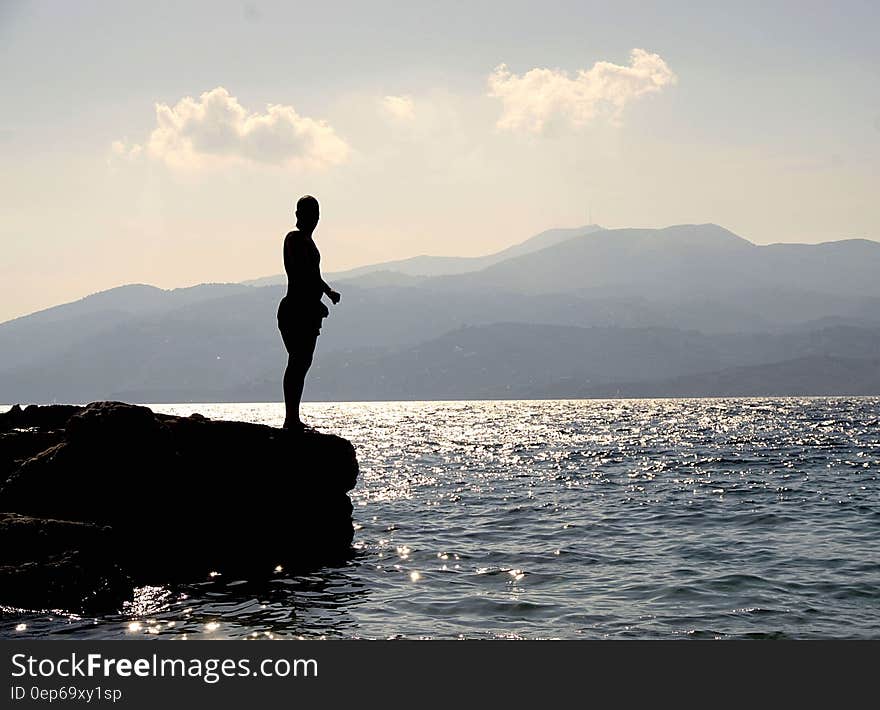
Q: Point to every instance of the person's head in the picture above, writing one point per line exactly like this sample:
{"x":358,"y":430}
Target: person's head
{"x":306,"y":213}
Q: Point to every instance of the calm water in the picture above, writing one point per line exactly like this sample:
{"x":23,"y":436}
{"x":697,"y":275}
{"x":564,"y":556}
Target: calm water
{"x":566,"y":519}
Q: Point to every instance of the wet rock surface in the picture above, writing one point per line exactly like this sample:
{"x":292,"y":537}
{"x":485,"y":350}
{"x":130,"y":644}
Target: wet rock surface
{"x":122,"y":496}
{"x":47,"y":563}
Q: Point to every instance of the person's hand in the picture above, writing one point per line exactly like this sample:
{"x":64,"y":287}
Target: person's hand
{"x":334,"y":296}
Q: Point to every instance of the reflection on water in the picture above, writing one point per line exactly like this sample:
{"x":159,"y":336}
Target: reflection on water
{"x":565,"y":519}
{"x":314,"y":606}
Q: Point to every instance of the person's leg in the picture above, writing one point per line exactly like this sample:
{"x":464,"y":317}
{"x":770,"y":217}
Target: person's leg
{"x":298,"y":362}
{"x":291,"y":398}
{"x":291,"y":408}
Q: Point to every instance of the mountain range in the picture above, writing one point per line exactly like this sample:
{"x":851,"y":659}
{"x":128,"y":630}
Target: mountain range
{"x":426,"y":266}
{"x":689,"y":310}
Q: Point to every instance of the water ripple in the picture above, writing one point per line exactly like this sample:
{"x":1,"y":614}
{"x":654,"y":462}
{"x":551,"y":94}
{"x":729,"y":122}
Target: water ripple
{"x":724,"y":518}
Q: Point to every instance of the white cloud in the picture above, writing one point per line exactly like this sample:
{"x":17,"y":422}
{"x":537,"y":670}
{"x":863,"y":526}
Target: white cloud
{"x":400,"y":108}
{"x":122,"y":149}
{"x":541,"y":97}
{"x":217,"y":128}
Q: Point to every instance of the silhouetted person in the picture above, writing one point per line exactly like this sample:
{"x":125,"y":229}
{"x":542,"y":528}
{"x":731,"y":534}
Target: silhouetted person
{"x":301,"y":310}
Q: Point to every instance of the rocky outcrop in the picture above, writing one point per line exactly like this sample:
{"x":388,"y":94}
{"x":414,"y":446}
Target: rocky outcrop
{"x":124,"y":496}
{"x":48,"y":563}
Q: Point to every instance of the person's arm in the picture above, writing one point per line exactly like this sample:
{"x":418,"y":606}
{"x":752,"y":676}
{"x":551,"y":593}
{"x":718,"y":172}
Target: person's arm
{"x":333,"y":295}
{"x":325,"y":287}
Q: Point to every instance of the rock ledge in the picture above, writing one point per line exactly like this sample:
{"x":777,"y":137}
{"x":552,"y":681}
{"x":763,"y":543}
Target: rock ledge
{"x":108,"y":496}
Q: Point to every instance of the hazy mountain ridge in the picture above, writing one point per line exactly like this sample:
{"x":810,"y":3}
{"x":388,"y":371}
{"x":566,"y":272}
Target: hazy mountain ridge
{"x":524,"y":360}
{"x":211,"y":361}
{"x":28,"y":338}
{"x":427,"y":266}
{"x":604,"y":309}
{"x":806,"y":376}
{"x":678,"y":261}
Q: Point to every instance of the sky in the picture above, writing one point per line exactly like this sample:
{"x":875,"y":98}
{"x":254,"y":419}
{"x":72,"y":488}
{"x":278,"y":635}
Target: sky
{"x":167,"y":142}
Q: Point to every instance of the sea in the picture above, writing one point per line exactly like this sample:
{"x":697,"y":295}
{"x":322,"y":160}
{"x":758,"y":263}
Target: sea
{"x":570,"y":519}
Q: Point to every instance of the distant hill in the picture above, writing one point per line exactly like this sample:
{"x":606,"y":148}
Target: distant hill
{"x":806,"y":376}
{"x":518,"y":360}
{"x":683,"y":261}
{"x":687,"y":276}
{"x":421,"y":266}
{"x":629,"y":310}
{"x":31,"y":338}
{"x":199,"y":356}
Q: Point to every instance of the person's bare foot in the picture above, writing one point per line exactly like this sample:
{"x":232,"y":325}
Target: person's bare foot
{"x":298,"y":427}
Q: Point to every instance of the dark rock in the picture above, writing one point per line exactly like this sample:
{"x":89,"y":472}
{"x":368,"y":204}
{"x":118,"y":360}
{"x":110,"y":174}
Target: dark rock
{"x":52,"y":416}
{"x":8,"y":419}
{"x":183,"y":496}
{"x":48,"y":564}
{"x":18,"y":446}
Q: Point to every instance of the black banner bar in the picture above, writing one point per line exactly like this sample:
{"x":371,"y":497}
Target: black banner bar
{"x":145,"y":674}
